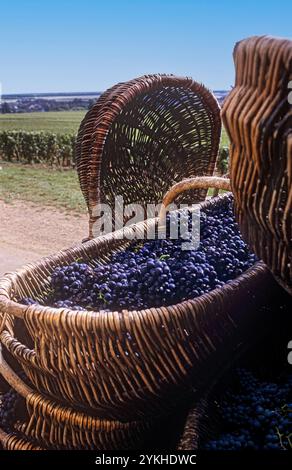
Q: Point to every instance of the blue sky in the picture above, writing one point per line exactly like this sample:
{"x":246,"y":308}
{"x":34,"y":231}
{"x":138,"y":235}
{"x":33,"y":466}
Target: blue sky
{"x":88,"y":45}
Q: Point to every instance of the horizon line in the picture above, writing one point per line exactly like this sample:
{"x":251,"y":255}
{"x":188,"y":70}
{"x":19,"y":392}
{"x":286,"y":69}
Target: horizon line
{"x":59,"y":93}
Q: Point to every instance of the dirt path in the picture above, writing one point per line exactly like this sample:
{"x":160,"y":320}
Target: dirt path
{"x":28,"y":232}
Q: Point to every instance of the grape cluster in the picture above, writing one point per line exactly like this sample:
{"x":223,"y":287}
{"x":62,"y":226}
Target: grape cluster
{"x":255,"y":415}
{"x":29,"y":301}
{"x":158,"y":272}
{"x":8,"y":405}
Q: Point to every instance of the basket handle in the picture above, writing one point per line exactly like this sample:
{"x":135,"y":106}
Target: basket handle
{"x":12,"y":378}
{"x":199,"y":182}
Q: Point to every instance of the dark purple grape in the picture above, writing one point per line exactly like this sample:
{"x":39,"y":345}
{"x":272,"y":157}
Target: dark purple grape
{"x":157,"y":272}
{"x":8,"y":404}
{"x":254,"y":415}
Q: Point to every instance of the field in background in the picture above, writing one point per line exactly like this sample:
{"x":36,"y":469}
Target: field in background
{"x":39,"y":184}
{"x":43,"y":186}
{"x":59,"y":122}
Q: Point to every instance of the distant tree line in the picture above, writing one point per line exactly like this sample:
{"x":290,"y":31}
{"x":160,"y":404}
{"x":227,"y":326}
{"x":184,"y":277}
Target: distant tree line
{"x":27,"y":105}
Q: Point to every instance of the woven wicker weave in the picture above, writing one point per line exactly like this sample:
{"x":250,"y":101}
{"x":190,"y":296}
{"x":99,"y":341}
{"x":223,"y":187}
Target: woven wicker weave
{"x":129,"y":364}
{"x":144,"y":135}
{"x":258,"y":117}
{"x":54,"y":426}
{"x":10,"y":441}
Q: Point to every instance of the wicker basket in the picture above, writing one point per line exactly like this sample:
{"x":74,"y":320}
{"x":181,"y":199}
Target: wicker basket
{"x":10,"y":441}
{"x":266,"y":357}
{"x":258,"y":117}
{"x":130,"y":364}
{"x":51,"y":425}
{"x":144,"y":135}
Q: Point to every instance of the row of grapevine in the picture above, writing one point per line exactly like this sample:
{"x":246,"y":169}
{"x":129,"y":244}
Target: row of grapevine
{"x":223,"y":161}
{"x":56,"y":149}
{"x":37,"y":147}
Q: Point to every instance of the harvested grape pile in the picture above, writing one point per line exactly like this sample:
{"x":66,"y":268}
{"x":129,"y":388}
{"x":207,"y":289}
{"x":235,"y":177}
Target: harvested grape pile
{"x":157,"y":272}
{"x":8,"y":409}
{"x":254,"y":415}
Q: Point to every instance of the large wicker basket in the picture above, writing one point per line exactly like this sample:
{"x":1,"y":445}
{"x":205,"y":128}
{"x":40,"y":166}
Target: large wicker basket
{"x":143,"y":136}
{"x":130,"y":364}
{"x":258,"y":117}
{"x":51,"y":425}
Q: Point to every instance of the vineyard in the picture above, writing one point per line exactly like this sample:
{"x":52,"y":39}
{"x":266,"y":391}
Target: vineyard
{"x":32,"y":160}
{"x":46,"y":138}
{"x":37,"y":147}
{"x":49,"y":138}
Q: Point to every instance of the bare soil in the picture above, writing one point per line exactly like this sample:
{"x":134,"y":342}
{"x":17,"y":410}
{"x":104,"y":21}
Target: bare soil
{"x":29,"y":232}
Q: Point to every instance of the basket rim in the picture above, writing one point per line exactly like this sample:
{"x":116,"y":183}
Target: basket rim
{"x":78,"y":417}
{"x":11,"y":307}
